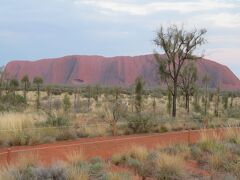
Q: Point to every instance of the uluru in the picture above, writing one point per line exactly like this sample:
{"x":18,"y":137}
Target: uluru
{"x":111,"y":71}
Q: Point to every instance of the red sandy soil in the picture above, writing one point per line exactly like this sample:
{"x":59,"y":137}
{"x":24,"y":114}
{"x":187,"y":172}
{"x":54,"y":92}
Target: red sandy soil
{"x":103,"y":147}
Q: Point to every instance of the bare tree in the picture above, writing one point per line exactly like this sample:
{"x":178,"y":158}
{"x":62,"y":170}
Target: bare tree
{"x":138,"y":94}
{"x":179,"y":46}
{"x":188,"y":78}
{"x":49,"y":95}
{"x":205,"y":81}
{"x":115,"y":109}
{"x":217,"y":100}
{"x":26,"y":83}
{"x":14,"y":84}
{"x":38,"y":81}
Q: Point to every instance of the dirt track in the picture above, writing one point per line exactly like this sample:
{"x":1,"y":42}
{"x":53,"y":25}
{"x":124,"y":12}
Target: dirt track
{"x":104,"y":147}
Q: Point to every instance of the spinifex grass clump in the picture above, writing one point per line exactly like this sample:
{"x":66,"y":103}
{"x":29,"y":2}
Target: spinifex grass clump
{"x":219,"y":154}
{"x":155,"y":164}
{"x":76,"y":167}
{"x":214,"y":156}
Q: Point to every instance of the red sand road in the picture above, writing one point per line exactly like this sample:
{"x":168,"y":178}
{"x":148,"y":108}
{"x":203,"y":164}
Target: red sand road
{"x":104,"y":147}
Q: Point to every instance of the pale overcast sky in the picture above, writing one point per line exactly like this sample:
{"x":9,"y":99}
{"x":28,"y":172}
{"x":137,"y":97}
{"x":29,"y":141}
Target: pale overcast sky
{"x":34,"y":29}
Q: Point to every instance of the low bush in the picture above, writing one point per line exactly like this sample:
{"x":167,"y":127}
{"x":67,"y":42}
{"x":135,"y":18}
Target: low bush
{"x":97,"y":169}
{"x":154,"y":164}
{"x":11,"y":102}
{"x":140,"y":123}
{"x":233,"y":112}
{"x":120,"y":176}
{"x":66,"y":134}
{"x":56,"y":121}
{"x":169,"y":167}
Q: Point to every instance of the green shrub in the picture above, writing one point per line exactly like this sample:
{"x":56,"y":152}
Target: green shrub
{"x":211,"y":146}
{"x":19,"y":139}
{"x":66,"y":104}
{"x":57,"y":92}
{"x":140,"y":123}
{"x":119,"y":176}
{"x":169,"y":167}
{"x":56,"y":121}
{"x":97,"y":169}
{"x":163,"y":129}
{"x":233,"y":112}
{"x":56,"y":171}
{"x":13,"y":102}
{"x":66,"y":134}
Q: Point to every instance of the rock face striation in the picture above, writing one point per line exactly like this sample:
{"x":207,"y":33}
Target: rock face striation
{"x":121,"y":71}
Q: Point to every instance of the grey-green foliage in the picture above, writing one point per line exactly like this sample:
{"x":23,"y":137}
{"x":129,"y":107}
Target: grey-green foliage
{"x":196,"y":103}
{"x":14,"y":84}
{"x":38,"y":81}
{"x":217,"y":100}
{"x":140,"y":124}
{"x":97,"y":169}
{"x":26,"y":84}
{"x":66,"y":104}
{"x":188,"y":78}
{"x":118,"y":110}
{"x":225,"y":101}
{"x":89,"y":95}
{"x":55,"y":172}
{"x":154,"y":106}
{"x":169,"y":103}
{"x":139,"y":94}
{"x":77,"y":103}
{"x":57,"y":121}
{"x":205,"y":81}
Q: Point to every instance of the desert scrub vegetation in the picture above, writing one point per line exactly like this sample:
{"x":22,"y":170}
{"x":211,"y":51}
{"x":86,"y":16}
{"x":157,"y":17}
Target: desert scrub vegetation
{"x":13,"y":127}
{"x":76,"y":112}
{"x":75,"y":168}
{"x":154,"y":164}
{"x":12,"y":102}
{"x":217,"y":156}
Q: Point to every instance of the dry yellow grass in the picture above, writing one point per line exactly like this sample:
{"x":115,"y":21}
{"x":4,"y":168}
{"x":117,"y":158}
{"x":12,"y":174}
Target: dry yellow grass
{"x":138,"y":152}
{"x":233,"y":135}
{"x":5,"y":174}
{"x":209,"y":137}
{"x":14,"y":121}
{"x":27,"y":160}
{"x":75,"y":156}
{"x":119,"y":176}
{"x":170,"y":165}
{"x":75,"y":173}
{"x":95,"y":130}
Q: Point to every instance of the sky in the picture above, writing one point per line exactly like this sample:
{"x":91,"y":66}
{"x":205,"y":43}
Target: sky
{"x":35,"y":29}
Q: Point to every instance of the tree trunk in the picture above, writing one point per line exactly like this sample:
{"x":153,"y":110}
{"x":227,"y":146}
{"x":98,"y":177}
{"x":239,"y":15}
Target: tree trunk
{"x":174,"y":105}
{"x":50,"y":103}
{"x":25,"y":95}
{"x":89,"y":98}
{"x":206,"y":100}
{"x":114,"y":128}
{"x":187,"y":103}
{"x":231,"y":104}
{"x":38,"y":97}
